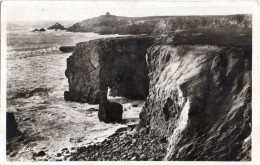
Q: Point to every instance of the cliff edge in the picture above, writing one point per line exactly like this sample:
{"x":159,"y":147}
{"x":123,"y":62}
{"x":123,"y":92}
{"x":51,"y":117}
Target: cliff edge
{"x":112,"y":24}
{"x":197,"y":87}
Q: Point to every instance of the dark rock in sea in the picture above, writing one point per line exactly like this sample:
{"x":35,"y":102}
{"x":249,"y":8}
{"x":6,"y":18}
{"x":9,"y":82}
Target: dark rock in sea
{"x":110,"y":112}
{"x":67,"y":95}
{"x":57,"y":26}
{"x":67,"y":49}
{"x":11,"y":125}
{"x":39,"y":30}
{"x":41,"y":153}
{"x":42,"y":30}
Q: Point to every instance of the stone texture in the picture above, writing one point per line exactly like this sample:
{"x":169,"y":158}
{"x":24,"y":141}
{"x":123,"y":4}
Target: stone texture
{"x":110,"y":112}
{"x":200,"y":99}
{"x":116,"y":63}
{"x":199,"y":102}
{"x":114,"y":149}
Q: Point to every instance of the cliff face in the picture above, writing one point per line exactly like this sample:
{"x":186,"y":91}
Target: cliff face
{"x":200,"y":101}
{"x":111,"y":24}
{"x":199,"y":98}
{"x":116,"y":63}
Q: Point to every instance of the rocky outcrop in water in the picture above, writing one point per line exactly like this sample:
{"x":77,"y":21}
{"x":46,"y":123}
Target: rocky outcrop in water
{"x":57,"y":26}
{"x":39,"y":30}
{"x":67,"y":49}
{"x":111,"y":24}
{"x":110,"y":112}
{"x":116,"y":63}
{"x":11,"y":125}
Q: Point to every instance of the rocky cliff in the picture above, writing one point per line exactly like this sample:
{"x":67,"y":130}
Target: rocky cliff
{"x":200,"y":101}
{"x":111,"y":24}
{"x":199,"y":98}
{"x":116,"y":63}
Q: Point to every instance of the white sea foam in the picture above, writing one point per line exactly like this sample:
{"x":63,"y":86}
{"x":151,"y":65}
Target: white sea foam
{"x":33,"y":62}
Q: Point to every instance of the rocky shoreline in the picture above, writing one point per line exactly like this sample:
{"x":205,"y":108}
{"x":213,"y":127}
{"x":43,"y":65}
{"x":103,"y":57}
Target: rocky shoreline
{"x":196,"y":84}
{"x":124,"y":145}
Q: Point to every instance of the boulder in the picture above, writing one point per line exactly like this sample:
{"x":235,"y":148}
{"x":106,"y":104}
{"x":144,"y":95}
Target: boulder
{"x":41,"y":153}
{"x":67,"y":96}
{"x":110,"y":112}
{"x":67,"y":49}
{"x":11,"y":125}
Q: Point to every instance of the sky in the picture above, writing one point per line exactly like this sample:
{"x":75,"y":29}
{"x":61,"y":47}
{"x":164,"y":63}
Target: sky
{"x":80,"y":10}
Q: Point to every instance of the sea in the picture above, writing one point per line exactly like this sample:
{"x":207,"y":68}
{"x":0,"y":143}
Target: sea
{"x":35,"y":86}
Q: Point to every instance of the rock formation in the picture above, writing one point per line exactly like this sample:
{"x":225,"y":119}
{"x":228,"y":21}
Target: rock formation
{"x":116,"y":63}
{"x":110,"y":112}
{"x":67,"y":49}
{"x":57,"y":26}
{"x":39,"y":30}
{"x":199,"y":99}
{"x":11,"y":125}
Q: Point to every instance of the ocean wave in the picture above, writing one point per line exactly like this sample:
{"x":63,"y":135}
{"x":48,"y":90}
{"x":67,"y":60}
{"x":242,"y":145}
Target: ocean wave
{"x":44,"y":92}
{"x":31,"y":52}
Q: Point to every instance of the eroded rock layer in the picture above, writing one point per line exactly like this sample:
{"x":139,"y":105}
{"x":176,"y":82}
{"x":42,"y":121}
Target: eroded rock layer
{"x":198,"y":95}
{"x":116,"y":63}
{"x":200,"y":101}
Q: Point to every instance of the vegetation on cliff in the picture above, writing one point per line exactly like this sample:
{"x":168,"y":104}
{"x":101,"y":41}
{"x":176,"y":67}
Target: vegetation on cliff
{"x":111,"y":24}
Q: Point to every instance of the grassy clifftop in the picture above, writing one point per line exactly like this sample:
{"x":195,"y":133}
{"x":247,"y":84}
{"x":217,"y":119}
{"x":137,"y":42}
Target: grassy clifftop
{"x":111,"y":24}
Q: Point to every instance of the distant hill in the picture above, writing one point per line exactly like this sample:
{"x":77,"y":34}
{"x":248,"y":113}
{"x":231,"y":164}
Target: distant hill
{"x":111,"y":24}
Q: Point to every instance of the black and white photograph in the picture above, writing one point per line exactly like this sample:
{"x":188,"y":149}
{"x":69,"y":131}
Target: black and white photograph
{"x":129,"y":81}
